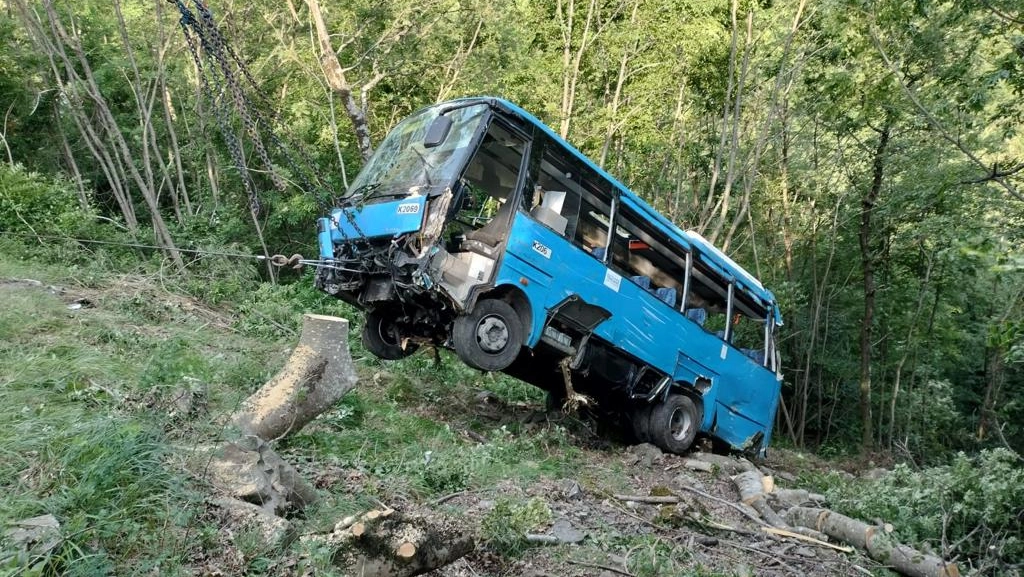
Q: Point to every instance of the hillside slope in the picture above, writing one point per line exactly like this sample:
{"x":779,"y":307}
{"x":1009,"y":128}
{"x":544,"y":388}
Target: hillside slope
{"x":106,"y":388}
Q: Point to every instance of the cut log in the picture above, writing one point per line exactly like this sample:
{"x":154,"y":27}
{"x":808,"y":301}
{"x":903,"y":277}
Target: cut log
{"x":787,"y":498}
{"x":317,"y":374}
{"x":697,"y":465}
{"x":880,"y":546}
{"x":750,"y":486}
{"x":391,"y":544}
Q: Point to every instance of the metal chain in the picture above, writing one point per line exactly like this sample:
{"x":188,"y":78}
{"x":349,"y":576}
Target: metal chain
{"x":227,"y":74}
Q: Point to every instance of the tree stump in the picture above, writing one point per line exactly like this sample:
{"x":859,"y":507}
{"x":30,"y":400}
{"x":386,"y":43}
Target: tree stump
{"x":386,"y":543}
{"x":318,"y":373}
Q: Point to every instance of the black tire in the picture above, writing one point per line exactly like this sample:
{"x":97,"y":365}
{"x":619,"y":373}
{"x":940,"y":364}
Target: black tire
{"x":674,"y":423}
{"x":382,"y":337}
{"x":640,"y":420}
{"x":488,"y":338}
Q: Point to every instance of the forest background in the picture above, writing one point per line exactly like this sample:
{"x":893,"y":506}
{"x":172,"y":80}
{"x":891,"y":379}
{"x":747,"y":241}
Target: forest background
{"x":864,"y":159}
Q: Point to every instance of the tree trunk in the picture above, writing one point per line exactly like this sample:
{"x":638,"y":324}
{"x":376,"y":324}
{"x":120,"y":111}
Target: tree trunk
{"x":335,"y":76}
{"x":868,"y":260}
{"x":613,"y":106}
{"x":316,"y":375}
{"x":874,"y":540}
{"x":572,"y":59}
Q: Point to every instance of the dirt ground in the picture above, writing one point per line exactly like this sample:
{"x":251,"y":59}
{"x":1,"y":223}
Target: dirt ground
{"x":708,"y":535}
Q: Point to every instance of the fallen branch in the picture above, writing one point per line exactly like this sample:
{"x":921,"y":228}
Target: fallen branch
{"x":656,"y":500}
{"x":795,"y":535}
{"x":599,"y":566}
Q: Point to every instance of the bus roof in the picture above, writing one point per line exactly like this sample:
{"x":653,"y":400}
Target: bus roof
{"x":689,"y":240}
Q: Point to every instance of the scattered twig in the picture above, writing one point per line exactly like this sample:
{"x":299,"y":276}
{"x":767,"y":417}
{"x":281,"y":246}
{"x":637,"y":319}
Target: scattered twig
{"x":599,"y":566}
{"x":784,"y":533}
{"x":724,"y":502}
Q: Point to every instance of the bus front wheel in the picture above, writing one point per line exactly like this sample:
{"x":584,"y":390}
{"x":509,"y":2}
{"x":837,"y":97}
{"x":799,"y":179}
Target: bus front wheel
{"x":382,"y":337}
{"x":673,"y":423}
{"x":489,"y":337}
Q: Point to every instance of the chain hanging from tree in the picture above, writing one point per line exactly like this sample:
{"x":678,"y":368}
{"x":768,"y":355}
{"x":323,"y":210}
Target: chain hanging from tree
{"x":231,"y":89}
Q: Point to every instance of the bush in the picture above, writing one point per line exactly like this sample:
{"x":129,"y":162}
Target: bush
{"x":506,"y":525}
{"x":971,"y":507}
{"x":41,"y":216}
{"x":30,"y":202}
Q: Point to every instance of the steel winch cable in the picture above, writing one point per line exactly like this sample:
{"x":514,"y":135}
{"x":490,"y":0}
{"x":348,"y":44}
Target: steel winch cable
{"x":295,"y":261}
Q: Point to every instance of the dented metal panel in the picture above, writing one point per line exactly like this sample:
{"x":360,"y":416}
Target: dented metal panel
{"x":381,"y":219}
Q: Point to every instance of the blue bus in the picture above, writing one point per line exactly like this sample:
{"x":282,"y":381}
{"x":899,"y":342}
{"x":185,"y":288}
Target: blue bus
{"x":475,"y":227}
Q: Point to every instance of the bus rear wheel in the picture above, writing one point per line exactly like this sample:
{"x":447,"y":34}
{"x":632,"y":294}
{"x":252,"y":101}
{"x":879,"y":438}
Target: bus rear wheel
{"x":382,"y":337}
{"x":640,"y":420}
{"x":674,"y":423}
{"x":489,"y":337}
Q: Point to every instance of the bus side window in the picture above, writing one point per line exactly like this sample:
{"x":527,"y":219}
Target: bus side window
{"x":489,"y":182}
{"x":557,"y":194}
{"x":573,"y":200}
{"x":646,"y":258}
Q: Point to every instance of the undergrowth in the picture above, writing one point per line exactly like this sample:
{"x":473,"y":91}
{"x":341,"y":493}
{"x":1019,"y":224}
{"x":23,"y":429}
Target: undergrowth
{"x":971,"y":508}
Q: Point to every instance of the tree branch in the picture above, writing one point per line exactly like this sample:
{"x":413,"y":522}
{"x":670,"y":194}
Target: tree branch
{"x":993,"y":175}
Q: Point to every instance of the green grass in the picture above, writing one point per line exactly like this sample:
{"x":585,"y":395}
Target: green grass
{"x":90,"y":436}
{"x":85,"y":433}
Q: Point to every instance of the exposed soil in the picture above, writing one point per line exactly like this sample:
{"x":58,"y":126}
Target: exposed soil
{"x":728,"y":542}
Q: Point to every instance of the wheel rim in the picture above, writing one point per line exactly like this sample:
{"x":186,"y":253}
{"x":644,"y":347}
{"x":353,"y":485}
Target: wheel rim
{"x":388,"y":333}
{"x":680,"y":424}
{"x":492,"y":334}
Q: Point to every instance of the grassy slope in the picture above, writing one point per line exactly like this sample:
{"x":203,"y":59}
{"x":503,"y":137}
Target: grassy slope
{"x":92,"y":434}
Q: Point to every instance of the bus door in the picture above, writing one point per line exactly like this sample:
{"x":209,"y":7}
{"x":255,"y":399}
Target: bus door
{"x":482,"y":209}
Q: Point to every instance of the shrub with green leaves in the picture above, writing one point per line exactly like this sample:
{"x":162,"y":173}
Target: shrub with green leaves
{"x":506,"y":525}
{"x":972,"y":507}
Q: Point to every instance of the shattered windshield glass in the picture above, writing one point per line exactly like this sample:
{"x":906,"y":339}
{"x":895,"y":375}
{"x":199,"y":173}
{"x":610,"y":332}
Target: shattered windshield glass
{"x":403,"y":165}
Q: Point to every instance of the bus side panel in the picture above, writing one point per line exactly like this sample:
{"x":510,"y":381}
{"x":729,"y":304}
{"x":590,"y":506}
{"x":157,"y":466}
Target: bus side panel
{"x":689,"y":370}
{"x":514,"y":271}
{"x":750,"y":394}
{"x":552,"y":267}
{"x":735,"y":429}
{"x":640,"y":324}
{"x":752,"y":391}
{"x":743,"y":396}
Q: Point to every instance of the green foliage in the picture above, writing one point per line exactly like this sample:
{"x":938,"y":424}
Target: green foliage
{"x":31,"y":203}
{"x":505,"y":526}
{"x":970,"y":505}
{"x":84,"y":434}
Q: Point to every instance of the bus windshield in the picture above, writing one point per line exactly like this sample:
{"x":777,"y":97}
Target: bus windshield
{"x":403,"y":165}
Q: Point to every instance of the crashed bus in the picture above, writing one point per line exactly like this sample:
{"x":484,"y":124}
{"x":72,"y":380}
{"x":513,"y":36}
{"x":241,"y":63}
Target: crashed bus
{"x":477,"y":228}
